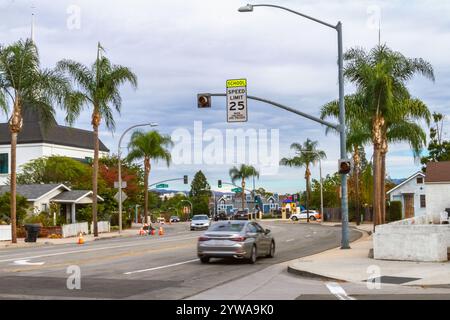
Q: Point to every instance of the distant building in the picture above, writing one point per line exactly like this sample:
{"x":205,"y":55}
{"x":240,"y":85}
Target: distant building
{"x":412,"y":194}
{"x":40,"y":196}
{"x":36,"y":141}
{"x":438,"y":187}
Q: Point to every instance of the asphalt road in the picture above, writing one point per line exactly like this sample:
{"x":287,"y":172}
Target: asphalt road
{"x":145,"y":267}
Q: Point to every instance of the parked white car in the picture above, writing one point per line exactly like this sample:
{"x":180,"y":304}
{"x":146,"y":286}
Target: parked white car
{"x":313,"y":215}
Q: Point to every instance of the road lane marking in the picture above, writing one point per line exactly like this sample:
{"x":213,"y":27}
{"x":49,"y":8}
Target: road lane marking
{"x":27,"y":263}
{"x":91,"y":250}
{"x":338,"y":291}
{"x":161,"y":267}
{"x":290,"y":240}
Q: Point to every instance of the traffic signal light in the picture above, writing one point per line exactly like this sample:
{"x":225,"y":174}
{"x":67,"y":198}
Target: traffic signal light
{"x":345,"y":166}
{"x":185,"y":180}
{"x":219,"y":183}
{"x":204,"y":100}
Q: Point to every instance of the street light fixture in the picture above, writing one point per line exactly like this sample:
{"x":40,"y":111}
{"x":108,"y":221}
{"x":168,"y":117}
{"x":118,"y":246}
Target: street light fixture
{"x":343,"y":143}
{"x":119,"y":154}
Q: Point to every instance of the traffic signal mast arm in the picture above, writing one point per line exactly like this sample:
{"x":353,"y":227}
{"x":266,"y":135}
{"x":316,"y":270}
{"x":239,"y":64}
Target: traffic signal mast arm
{"x":207,"y":97}
{"x":177,"y":179}
{"x":235,"y":185}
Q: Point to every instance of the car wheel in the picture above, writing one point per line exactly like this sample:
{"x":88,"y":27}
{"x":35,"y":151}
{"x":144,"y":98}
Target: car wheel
{"x":312,"y":218}
{"x":294,"y":218}
{"x":204,"y":259}
{"x":253,"y":255}
{"x":271,"y":250}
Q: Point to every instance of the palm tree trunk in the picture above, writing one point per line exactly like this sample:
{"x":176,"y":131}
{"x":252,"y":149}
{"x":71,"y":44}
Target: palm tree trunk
{"x":243,"y":194}
{"x":377,"y":137}
{"x":15,"y":126}
{"x":95,"y":123}
{"x":307,"y":177}
{"x":13,"y":187}
{"x":383,"y":187}
{"x":146,"y":175}
{"x":356,"y":161}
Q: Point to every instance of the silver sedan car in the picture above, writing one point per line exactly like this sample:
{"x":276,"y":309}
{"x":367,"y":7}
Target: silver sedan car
{"x":236,"y":239}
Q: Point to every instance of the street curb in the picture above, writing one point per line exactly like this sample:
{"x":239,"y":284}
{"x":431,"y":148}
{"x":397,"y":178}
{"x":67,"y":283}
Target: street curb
{"x":311,"y":275}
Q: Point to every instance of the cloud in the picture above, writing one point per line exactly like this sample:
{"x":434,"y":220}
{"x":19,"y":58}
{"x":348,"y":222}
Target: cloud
{"x":179,"y":48}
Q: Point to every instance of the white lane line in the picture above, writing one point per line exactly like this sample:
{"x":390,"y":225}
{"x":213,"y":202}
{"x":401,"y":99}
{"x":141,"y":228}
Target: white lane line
{"x":92,"y":250}
{"x":27,"y":263}
{"x":290,"y":240}
{"x":338,"y":291}
{"x":161,"y":267}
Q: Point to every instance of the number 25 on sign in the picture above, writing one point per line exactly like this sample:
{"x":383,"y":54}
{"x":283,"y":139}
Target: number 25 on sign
{"x":237,"y":100}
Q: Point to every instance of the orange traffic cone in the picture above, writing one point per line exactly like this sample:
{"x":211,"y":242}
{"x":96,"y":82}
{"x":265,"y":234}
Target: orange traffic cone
{"x":80,"y":238}
{"x":161,"y":231}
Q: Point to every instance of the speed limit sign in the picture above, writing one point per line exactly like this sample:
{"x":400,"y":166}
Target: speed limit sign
{"x":237,"y":100}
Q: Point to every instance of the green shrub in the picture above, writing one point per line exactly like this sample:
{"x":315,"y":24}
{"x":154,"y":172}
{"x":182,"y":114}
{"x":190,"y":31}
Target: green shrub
{"x":395,"y":211}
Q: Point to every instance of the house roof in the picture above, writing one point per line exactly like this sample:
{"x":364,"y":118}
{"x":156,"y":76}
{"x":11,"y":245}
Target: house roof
{"x":34,"y":131}
{"x":73,"y":196}
{"x":438,"y":172}
{"x":418,"y":173}
{"x":33,"y":191}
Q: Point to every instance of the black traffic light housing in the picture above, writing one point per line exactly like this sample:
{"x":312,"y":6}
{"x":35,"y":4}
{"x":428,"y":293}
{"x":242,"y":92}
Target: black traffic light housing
{"x":204,"y":100}
{"x":219,"y":183}
{"x":185,"y":180}
{"x":345,"y":166}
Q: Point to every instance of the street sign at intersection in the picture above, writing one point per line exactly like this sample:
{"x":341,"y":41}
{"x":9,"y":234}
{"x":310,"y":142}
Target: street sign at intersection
{"x":237,"y":190}
{"x":124,"y":196}
{"x":162,"y":186}
{"x":237,"y":110}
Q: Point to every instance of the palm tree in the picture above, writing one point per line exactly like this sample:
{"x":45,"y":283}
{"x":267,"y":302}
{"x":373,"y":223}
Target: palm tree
{"x":381,"y":76}
{"x":149,"y":146}
{"x":306,"y":155}
{"x":26,"y":86}
{"x":98,"y":88}
{"x":242,"y":173}
{"x":358,"y":135}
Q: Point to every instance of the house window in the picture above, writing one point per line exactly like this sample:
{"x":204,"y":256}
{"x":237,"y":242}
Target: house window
{"x":4,"y":163}
{"x":419,"y":180}
{"x":423,"y":201}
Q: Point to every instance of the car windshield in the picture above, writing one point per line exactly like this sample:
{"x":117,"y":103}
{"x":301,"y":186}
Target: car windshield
{"x":200,"y":218}
{"x":173,"y":217}
{"x":234,"y":227}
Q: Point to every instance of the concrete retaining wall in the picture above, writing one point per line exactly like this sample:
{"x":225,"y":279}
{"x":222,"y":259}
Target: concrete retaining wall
{"x":411,"y":242}
{"x":5,"y":233}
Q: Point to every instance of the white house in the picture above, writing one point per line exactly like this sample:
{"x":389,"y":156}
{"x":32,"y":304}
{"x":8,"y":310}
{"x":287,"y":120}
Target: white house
{"x":37,"y":140}
{"x":40,"y":196}
{"x":438,"y":187}
{"x":412,"y":194}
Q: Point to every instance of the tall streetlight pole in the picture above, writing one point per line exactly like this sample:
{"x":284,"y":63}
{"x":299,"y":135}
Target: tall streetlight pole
{"x":119,"y":154}
{"x":343,"y":139}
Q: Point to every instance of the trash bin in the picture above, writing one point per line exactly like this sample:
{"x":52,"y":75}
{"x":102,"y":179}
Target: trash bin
{"x":32,"y":232}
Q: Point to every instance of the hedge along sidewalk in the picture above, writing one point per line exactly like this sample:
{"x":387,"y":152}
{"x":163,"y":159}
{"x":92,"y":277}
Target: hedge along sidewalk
{"x":355,"y":266}
{"x":73,"y":240}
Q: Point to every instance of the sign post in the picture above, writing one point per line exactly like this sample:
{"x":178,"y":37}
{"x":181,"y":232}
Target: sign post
{"x":237,"y":110}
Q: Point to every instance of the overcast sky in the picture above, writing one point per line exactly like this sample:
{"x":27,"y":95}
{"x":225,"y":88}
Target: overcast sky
{"x":179,"y":48}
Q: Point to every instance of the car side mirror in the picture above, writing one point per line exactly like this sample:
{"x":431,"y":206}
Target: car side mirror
{"x":267,"y":231}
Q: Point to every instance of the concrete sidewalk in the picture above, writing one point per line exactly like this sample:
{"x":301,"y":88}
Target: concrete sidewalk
{"x":49,"y":242}
{"x":355,"y":266}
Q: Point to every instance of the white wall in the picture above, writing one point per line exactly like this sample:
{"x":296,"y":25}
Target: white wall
{"x":5,"y":233}
{"x":28,"y":152}
{"x":438,"y":197}
{"x":411,"y":187}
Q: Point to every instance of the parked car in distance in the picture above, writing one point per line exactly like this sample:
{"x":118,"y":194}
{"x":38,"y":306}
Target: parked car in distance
{"x":236,"y":239}
{"x":200,"y":222}
{"x":313,"y":215}
{"x":241,"y":215}
{"x":175,"y":219}
{"x":161,"y":220}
